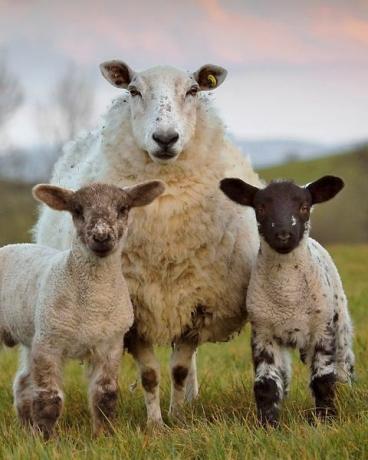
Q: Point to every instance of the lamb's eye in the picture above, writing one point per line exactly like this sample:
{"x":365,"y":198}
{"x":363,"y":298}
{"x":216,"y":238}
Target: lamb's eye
{"x":260,"y":209}
{"x":78,"y":212}
{"x":193,"y":91}
{"x":134,"y":92}
{"x":123,"y":210}
{"x":304,"y":209}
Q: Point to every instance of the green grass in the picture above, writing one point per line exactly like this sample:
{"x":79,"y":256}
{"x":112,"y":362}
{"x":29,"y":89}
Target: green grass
{"x":221,"y":425}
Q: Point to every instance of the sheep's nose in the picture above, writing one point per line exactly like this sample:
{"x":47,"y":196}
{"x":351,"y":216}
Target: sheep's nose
{"x":283,"y":236}
{"x":165,"y":139}
{"x":101,"y":237}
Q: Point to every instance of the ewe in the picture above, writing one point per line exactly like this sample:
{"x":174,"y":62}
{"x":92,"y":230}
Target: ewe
{"x":70,"y":304}
{"x":295,"y":296}
{"x":188,"y":256}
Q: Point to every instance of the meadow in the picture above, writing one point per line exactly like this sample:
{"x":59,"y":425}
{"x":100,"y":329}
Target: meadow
{"x":222,"y":422}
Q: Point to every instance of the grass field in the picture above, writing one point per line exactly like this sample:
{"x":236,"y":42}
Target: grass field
{"x":221,"y":425}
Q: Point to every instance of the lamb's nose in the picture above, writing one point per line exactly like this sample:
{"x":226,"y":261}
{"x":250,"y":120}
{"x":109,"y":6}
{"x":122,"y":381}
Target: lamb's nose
{"x":102,"y":237}
{"x":165,"y":139}
{"x":283,"y":236}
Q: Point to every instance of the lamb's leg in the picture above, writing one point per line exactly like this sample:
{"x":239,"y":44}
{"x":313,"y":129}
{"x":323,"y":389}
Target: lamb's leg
{"x":149,"y":369}
{"x":323,"y":373}
{"x":180,"y":364}
{"x":269,"y":366}
{"x":103,"y":385}
{"x":286,"y":370}
{"x":344,"y":349}
{"x":47,"y":400}
{"x":22,"y":387}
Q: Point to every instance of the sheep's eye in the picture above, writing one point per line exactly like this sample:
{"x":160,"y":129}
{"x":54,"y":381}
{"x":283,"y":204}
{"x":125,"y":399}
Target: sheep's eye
{"x":304,"y":209}
{"x":193,"y":91}
{"x":134,"y":92}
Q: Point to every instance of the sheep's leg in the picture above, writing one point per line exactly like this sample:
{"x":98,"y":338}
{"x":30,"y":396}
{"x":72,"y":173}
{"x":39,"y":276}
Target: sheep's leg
{"x":181,"y":363}
{"x":269,"y":366}
{"x":191,"y":387}
{"x":103,"y":386}
{"x":47,"y":400}
{"x":323,"y":373}
{"x":149,"y":369}
{"x":22,"y":388}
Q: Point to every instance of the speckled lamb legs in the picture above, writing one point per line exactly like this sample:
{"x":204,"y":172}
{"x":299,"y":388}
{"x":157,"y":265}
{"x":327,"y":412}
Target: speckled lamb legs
{"x":103,"y":385}
{"x":22,"y":387}
{"x":272,"y":375}
{"x":183,"y":375}
{"x":47,"y":400}
{"x":323,"y":372}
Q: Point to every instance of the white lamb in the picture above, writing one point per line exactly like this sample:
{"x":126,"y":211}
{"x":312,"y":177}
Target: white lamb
{"x":70,"y":304}
{"x":188,"y":257}
{"x":295,"y":296}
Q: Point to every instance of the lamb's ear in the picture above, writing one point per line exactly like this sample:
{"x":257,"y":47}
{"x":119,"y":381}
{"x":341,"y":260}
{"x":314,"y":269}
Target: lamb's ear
{"x":57,"y":198}
{"x":210,"y":76}
{"x":145,"y":193}
{"x":325,"y":188}
{"x":117,"y":73}
{"x":239,"y":191}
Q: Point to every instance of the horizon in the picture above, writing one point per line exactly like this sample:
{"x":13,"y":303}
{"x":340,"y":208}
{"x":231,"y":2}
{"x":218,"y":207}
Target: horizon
{"x":296,"y":72}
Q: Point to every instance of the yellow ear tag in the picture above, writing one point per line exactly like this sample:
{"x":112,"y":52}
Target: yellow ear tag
{"x":212,"y":81}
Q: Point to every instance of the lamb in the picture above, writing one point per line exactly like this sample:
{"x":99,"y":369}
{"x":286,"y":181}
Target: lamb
{"x":295,"y":296}
{"x":70,"y":304}
{"x":188,"y":256}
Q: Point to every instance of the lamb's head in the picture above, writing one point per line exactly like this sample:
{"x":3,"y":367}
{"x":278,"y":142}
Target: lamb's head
{"x":99,"y":211}
{"x":282,"y":207}
{"x":163,"y":104}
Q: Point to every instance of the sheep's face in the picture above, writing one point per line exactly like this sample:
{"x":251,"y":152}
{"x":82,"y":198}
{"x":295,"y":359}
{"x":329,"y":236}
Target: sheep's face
{"x":99,"y":211}
{"x":282,"y":207}
{"x":163,"y":104}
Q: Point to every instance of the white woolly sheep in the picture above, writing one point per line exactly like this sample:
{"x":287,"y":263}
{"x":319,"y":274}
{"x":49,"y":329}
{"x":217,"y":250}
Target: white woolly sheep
{"x":295,"y":296}
{"x":70,"y":304}
{"x":188,"y":256}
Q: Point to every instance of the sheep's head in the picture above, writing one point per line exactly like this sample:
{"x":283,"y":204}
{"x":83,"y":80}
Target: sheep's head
{"x":163,"y":104}
{"x":282,"y":208}
{"x":99,"y":211}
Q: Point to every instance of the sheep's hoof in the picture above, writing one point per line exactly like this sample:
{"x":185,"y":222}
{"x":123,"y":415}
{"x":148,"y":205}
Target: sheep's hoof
{"x":326,"y":414}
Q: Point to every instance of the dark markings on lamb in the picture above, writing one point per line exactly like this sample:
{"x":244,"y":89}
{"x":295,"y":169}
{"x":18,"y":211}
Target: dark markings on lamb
{"x":323,"y":389}
{"x":336,"y":317}
{"x":267,"y":398}
{"x":8,"y":339}
{"x":179,"y":374}
{"x":149,"y":380}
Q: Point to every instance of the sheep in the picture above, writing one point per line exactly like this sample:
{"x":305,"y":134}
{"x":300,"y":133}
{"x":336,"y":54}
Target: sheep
{"x":70,"y":304}
{"x":188,"y":257}
{"x":295,"y":296}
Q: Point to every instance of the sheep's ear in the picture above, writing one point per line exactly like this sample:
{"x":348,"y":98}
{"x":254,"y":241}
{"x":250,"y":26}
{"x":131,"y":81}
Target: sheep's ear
{"x":145,"y":193}
{"x":325,"y":188}
{"x":57,"y":198}
{"x":117,"y":73}
{"x":239,"y":191}
{"x":210,"y":76}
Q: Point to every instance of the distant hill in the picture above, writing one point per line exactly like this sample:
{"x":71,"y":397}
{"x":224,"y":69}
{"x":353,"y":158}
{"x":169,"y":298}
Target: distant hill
{"x":343,"y":220}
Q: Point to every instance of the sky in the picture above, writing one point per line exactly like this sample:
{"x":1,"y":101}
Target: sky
{"x":298,"y":69}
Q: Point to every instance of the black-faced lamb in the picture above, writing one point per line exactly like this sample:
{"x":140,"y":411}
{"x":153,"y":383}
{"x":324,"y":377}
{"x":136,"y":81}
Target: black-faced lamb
{"x":295,"y":296}
{"x":71,"y":304}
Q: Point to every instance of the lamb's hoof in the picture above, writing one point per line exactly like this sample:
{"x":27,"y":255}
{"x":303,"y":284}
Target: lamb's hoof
{"x":155,"y":426}
{"x":177,"y":415}
{"x":326,"y":414}
{"x":268,"y":420}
